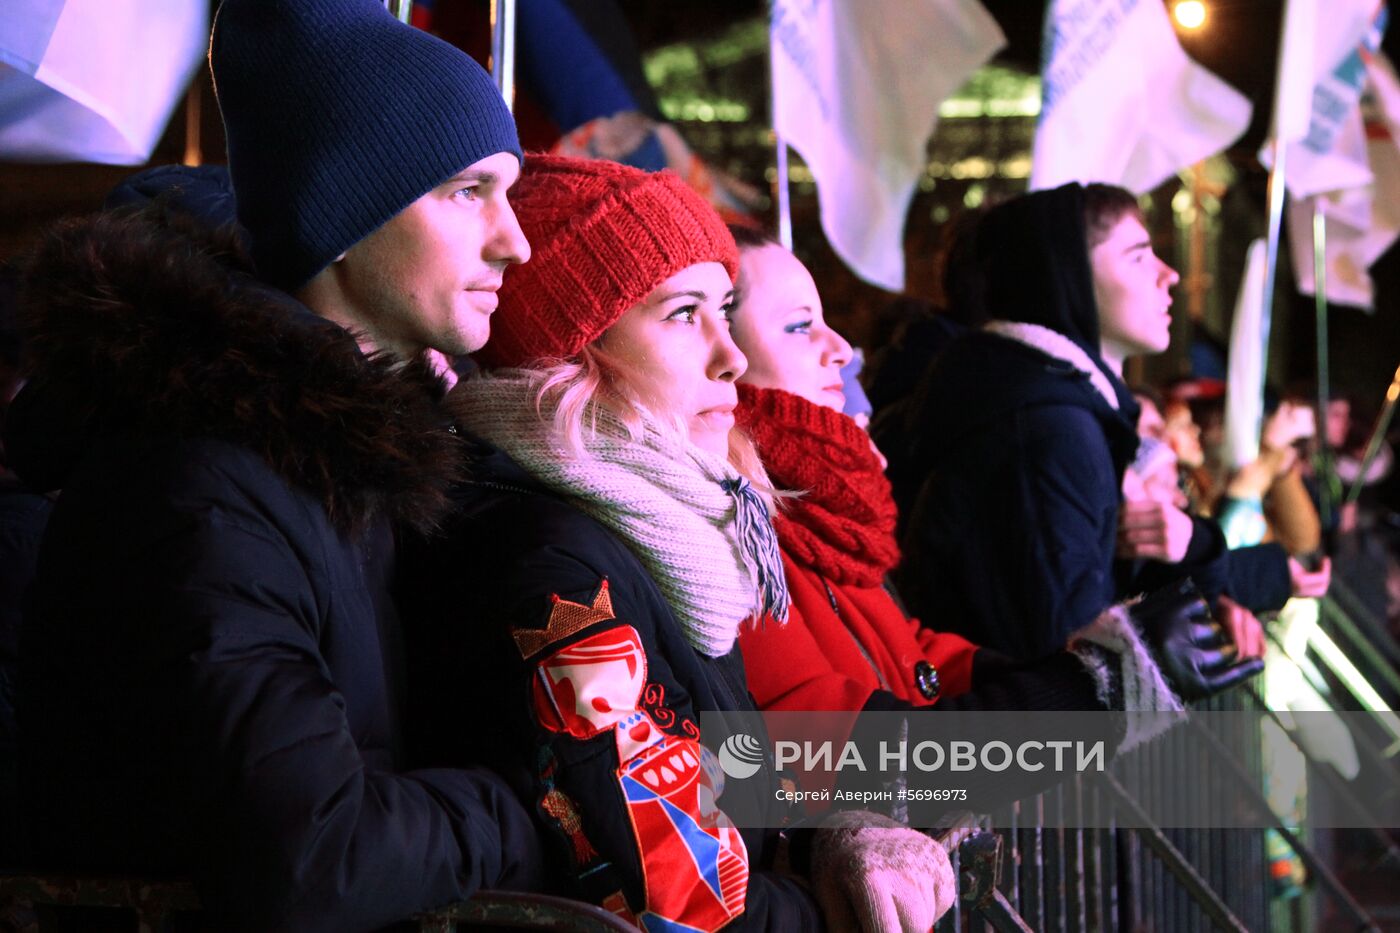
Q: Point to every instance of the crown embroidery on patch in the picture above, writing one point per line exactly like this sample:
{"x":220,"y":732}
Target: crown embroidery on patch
{"x":565,"y":618}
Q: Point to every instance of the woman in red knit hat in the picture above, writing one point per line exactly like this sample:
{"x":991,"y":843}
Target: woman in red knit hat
{"x":583,"y":605}
{"x":848,"y":644}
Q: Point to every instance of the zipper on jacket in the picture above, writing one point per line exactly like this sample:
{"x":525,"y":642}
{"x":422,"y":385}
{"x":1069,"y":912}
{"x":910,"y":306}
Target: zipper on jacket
{"x":504,"y":487}
{"x":831,"y":597}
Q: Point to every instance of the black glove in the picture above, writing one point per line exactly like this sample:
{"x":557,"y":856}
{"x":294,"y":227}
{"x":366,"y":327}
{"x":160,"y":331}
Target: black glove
{"x":1193,"y":651}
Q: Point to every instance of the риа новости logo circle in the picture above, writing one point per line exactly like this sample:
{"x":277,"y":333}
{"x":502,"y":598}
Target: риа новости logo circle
{"x":740,"y":756}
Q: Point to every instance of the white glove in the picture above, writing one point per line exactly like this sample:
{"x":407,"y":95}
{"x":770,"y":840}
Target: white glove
{"x":873,"y":875}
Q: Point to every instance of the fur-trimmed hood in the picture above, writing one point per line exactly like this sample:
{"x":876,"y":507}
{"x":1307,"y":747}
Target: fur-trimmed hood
{"x":143,"y":322}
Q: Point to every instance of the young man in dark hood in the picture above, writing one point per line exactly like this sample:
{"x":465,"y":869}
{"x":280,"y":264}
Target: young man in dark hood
{"x":210,"y":665}
{"x":1008,"y":462}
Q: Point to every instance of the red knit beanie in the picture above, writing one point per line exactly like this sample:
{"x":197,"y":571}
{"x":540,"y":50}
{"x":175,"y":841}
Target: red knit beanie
{"x":602,"y":237}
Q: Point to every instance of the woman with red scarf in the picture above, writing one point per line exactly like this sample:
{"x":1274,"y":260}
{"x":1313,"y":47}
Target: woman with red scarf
{"x":848,"y":644}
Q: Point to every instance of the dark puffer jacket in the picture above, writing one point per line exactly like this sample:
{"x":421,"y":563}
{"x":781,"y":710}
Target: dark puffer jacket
{"x":1006,"y":464}
{"x":538,"y":640}
{"x":1011,"y":528}
{"x":209,"y":672}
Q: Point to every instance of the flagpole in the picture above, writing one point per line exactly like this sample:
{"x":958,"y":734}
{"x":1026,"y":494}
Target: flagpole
{"x":781,"y":195}
{"x":1324,"y":450}
{"x":1277,"y":185}
{"x":503,"y":49}
{"x":1276,"y":192}
{"x":1373,"y":446}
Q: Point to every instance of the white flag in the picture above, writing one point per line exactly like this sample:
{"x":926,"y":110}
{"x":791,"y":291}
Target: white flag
{"x":94,"y":80}
{"x":1317,"y":101}
{"x":1361,"y":222}
{"x":1244,"y":395}
{"x":856,"y":89}
{"x":1121,"y":102}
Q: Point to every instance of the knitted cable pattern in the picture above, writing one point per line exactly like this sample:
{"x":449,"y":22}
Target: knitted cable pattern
{"x":843,"y":525}
{"x":682,"y":511}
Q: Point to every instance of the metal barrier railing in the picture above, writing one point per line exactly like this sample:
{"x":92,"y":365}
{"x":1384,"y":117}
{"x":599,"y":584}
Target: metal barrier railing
{"x":1199,"y":880}
{"x":1033,"y":875}
{"x":155,"y":906}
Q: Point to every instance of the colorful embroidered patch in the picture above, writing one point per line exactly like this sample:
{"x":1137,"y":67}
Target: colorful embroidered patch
{"x":636,"y":734}
{"x":591,"y":685}
{"x":654,"y":702}
{"x":694,"y":860}
{"x":562,"y":810}
{"x":565,"y":618}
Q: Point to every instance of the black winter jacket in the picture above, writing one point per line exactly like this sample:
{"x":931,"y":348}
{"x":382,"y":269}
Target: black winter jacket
{"x":1006,"y":464}
{"x":209,"y":675}
{"x":22,"y":518}
{"x":1259,"y":578}
{"x":1007,"y":478}
{"x":538,"y":640}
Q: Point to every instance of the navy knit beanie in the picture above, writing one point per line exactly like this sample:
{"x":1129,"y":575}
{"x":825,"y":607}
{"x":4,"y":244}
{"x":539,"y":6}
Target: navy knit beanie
{"x":338,"y":117}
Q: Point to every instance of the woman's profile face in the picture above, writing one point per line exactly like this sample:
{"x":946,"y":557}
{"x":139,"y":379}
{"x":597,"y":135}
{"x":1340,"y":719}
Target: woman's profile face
{"x":779,"y":327}
{"x":675,"y":352}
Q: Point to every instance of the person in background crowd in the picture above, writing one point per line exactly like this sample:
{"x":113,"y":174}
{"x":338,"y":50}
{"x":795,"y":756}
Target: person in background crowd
{"x":1265,"y":497}
{"x":919,"y":333}
{"x":210,"y":671}
{"x":915,"y":332}
{"x":1365,"y":537}
{"x":1259,"y":577}
{"x":616,"y":538}
{"x":848,"y":645}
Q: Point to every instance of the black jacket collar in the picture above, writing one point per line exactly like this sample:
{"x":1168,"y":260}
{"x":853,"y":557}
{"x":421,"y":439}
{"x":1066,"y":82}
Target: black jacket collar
{"x":144,"y":322}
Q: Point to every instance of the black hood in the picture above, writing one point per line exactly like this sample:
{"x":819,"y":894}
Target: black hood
{"x":1034,"y":259}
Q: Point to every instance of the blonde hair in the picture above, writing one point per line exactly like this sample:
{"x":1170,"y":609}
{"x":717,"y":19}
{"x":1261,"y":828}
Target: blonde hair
{"x":567,"y":393}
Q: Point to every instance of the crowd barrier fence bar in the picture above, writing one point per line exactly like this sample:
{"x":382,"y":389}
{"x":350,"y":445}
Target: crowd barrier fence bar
{"x":1251,"y":796}
{"x":1366,"y":639}
{"x":156,"y":904}
{"x":1172,"y":858}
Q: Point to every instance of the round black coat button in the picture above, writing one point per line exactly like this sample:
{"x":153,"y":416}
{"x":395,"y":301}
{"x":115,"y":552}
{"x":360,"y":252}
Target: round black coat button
{"x":926,"y":679}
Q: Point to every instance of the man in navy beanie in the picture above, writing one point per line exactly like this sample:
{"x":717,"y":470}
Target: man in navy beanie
{"x":210,"y":662}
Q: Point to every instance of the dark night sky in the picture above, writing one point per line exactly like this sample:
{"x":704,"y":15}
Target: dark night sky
{"x":1239,"y":41}
{"x":1240,"y":44}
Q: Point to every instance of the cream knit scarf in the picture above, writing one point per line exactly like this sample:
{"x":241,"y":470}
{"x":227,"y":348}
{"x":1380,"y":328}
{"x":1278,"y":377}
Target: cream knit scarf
{"x":694,"y":522}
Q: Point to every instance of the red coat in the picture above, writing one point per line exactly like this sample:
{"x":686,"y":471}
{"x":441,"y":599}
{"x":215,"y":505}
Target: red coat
{"x":846,"y":638}
{"x":847,"y":645}
{"x":835,"y":659}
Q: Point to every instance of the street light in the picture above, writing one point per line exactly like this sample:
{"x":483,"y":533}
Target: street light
{"x":1190,"y":14}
